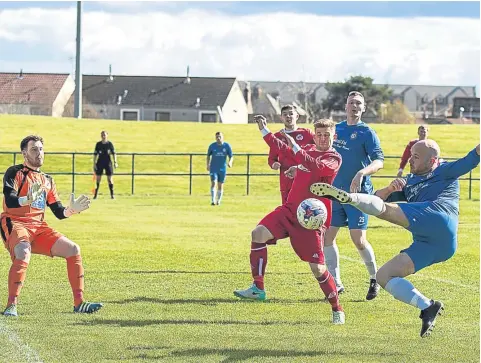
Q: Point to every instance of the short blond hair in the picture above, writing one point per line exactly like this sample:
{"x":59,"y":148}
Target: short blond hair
{"x":324,"y":123}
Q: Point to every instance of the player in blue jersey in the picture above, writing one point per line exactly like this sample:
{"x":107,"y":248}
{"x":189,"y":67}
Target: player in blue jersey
{"x":362,"y":156}
{"x":217,"y":166}
{"x":430,"y":214}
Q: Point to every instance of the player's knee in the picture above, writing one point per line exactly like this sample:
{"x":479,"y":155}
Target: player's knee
{"x":360,"y":242}
{"x":317,"y":269}
{"x":74,"y":249}
{"x":258,"y":234}
{"x":383,"y":276}
{"x":23,"y":251}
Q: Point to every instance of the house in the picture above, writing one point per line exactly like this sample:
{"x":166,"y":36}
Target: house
{"x":467,"y":107}
{"x":421,"y":100}
{"x":158,"y":98}
{"x":35,"y":93}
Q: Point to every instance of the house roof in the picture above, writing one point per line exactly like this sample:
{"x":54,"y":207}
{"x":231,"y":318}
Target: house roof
{"x":30,"y":88}
{"x":290,"y":90}
{"x":169,"y":92}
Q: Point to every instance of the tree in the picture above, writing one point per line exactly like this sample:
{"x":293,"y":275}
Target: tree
{"x":395,"y":113}
{"x":374,"y":95}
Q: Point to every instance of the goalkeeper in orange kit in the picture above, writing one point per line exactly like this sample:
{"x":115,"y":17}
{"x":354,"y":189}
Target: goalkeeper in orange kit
{"x":26,"y":193}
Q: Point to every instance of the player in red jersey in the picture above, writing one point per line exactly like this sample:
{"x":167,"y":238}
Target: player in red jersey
{"x":282,"y":161}
{"x":315,"y":162}
{"x":423,"y":131}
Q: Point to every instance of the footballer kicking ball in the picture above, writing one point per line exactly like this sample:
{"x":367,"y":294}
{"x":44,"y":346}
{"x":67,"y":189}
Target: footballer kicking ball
{"x":311,"y":213}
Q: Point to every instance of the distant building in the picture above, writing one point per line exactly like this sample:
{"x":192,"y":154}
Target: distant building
{"x":156,"y":98}
{"x":35,"y":93}
{"x":422,"y":101}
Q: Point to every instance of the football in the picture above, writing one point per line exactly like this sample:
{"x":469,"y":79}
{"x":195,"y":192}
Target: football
{"x":311,"y":213}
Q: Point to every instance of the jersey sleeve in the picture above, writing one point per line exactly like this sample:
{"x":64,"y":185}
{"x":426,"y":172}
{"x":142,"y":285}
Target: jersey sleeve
{"x":96,"y":150}
{"x":10,"y":188}
{"x":112,"y":148}
{"x":52,"y":196}
{"x":273,"y":155}
{"x":405,"y":156}
{"x":10,"y":181}
{"x":326,"y":165}
{"x":373,"y":146}
{"x":229,"y":151}
{"x":276,"y":144}
{"x":462,"y":166}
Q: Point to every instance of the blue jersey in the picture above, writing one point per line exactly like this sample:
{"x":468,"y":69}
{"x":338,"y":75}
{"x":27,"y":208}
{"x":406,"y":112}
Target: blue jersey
{"x":441,"y":186}
{"x":219,"y":155}
{"x":359,"y":146}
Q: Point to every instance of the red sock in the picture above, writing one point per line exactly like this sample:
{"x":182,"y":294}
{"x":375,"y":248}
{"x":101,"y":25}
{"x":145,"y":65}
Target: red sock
{"x":75,"y":272}
{"x":16,"y":277}
{"x":258,"y":259}
{"x":328,"y":287}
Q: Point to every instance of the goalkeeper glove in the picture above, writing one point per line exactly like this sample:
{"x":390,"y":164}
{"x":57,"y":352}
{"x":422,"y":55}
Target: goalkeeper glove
{"x":77,"y":205}
{"x":33,"y":194}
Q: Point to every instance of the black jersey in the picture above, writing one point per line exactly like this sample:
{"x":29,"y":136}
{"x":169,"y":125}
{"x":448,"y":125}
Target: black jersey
{"x":104,"y":151}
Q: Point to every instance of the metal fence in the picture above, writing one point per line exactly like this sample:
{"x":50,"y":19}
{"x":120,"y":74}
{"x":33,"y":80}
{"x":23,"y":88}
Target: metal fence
{"x":248,"y":174}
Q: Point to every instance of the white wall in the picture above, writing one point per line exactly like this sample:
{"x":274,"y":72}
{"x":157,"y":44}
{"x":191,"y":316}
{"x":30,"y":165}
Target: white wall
{"x":234,"y":110}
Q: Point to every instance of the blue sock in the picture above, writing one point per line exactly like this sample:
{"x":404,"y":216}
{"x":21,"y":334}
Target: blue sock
{"x":212,"y":195}
{"x":219,"y":195}
{"x":404,"y":291}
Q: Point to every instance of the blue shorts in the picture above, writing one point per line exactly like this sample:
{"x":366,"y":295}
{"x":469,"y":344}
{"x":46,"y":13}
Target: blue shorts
{"x":434,"y":234}
{"x":218,"y":176}
{"x":346,"y":215}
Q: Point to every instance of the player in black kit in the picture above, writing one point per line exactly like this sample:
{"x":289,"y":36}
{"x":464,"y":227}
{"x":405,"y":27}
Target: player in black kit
{"x":103,"y":161}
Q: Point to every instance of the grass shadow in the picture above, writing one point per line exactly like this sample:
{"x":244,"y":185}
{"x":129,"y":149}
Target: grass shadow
{"x":239,"y":355}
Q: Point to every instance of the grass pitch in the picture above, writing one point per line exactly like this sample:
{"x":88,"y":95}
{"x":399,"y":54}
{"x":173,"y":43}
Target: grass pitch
{"x":165,"y":265}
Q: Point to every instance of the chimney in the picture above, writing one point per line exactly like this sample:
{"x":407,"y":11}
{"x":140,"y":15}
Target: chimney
{"x":248,"y":98}
{"x":111,"y":78}
{"x":187,"y":78}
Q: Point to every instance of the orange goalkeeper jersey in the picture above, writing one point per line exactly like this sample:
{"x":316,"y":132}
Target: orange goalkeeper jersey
{"x":17,"y":180}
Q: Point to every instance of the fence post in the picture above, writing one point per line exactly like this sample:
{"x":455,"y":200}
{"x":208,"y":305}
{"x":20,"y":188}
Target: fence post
{"x":14,"y":158}
{"x":190,"y":174}
{"x":73,"y":172}
{"x":133,"y":172}
{"x":470,"y":180}
{"x":248,"y":171}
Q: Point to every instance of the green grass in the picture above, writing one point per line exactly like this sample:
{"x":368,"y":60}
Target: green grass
{"x":69,"y":135}
{"x":165,"y":266}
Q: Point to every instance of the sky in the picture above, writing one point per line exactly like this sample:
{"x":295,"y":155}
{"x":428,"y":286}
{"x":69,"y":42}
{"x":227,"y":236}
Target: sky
{"x":426,"y":43}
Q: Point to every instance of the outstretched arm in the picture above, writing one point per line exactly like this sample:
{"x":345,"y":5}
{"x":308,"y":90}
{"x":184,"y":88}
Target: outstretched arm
{"x":461,"y":166}
{"x":277,"y":146}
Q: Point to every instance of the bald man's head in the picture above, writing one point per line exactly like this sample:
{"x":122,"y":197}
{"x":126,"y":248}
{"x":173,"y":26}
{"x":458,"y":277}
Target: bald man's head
{"x":424,"y":156}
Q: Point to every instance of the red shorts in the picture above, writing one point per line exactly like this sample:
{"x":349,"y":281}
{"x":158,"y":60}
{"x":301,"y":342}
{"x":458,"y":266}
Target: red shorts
{"x":40,"y":236}
{"x":307,"y":244}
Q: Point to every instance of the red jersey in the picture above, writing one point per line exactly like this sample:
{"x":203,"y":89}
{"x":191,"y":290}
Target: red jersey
{"x":407,"y":153}
{"x":303,"y":137}
{"x":314,"y":166}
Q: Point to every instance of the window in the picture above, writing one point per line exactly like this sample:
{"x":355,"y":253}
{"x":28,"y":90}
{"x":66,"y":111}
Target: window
{"x":129,"y":115}
{"x":208,"y":117}
{"x":162,"y":116}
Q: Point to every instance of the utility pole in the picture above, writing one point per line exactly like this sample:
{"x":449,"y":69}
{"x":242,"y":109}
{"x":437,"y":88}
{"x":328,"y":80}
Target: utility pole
{"x":78,"y":68}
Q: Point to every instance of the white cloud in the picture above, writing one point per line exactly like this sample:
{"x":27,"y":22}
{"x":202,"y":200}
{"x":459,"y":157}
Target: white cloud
{"x":277,"y":46}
